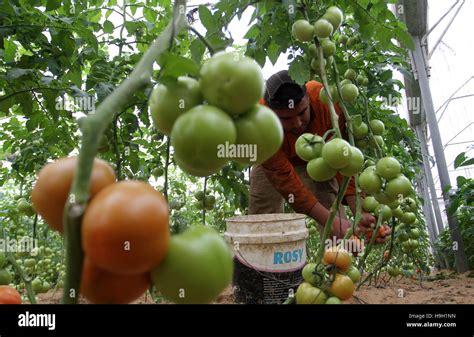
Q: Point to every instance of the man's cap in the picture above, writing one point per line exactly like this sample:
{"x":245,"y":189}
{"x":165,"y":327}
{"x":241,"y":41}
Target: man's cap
{"x":291,"y":91}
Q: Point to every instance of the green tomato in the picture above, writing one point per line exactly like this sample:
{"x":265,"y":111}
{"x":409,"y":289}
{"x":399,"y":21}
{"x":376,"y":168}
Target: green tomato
{"x":37,"y":285}
{"x":30,"y":263}
{"x":355,"y":165}
{"x":323,"y":28}
{"x":403,"y":236}
{"x":200,"y":137}
{"x":259,"y":129}
{"x":397,"y":212}
{"x":302,"y":30}
{"x":354,"y":274}
{"x":342,"y":39}
{"x":411,"y":204}
{"x":400,"y":185}
{"x":369,"y":181}
{"x":360,"y":79}
{"x":350,"y":74}
{"x":349,"y":93}
{"x":408,"y":218}
{"x":383,"y":198}
{"x":329,"y":47}
{"x":386,"y":212}
{"x":376,"y":140}
{"x":309,"y":146}
{"x":313,"y":50}
{"x":232,"y":82}
{"x":388,"y":168}
{"x":333,"y":300}
{"x":337,"y":153}
{"x":344,"y":82}
{"x":308,"y":275}
{"x":335,"y":16}
{"x":197,"y":268}
{"x":360,"y":131}
{"x":168,"y":102}
{"x":319,"y":170}
{"x":394,"y":204}
{"x":307,"y":294}
{"x":361,"y":143}
{"x":199,"y":195}
{"x":370,"y":204}
{"x":210,"y":200}
{"x":315,"y":65}
{"x":394,"y":272}
{"x":158,"y":172}
{"x":414,"y":233}
{"x":23,"y":206}
{"x":5,"y":277}
{"x":377,"y":127}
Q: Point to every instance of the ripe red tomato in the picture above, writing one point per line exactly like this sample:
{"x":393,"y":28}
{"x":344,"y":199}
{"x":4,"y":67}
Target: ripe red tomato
{"x":342,"y":287}
{"x":125,"y":228}
{"x":339,"y":257}
{"x":8,"y":295}
{"x":102,"y":287}
{"x":50,"y":192}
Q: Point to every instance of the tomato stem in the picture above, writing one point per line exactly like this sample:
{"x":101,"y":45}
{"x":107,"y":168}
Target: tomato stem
{"x":332,"y":110}
{"x":92,"y":129}
{"x":332,"y":214}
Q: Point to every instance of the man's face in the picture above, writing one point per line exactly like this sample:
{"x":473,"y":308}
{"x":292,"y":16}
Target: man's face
{"x":296,"y":119}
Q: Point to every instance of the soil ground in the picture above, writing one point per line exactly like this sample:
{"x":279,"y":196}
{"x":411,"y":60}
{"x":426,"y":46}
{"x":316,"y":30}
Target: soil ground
{"x":440,"y":288}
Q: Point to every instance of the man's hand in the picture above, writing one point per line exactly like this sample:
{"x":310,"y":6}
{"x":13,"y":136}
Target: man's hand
{"x":368,"y":221}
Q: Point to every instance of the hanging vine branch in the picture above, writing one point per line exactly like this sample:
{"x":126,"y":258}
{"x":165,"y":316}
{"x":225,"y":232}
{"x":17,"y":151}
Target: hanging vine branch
{"x":92,"y":128}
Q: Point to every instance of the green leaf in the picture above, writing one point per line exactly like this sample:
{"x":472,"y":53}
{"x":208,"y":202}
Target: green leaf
{"x":207,"y":19}
{"x":10,"y":50}
{"x":405,"y":39}
{"x":460,"y":158}
{"x":134,"y":161}
{"x":108,"y":27}
{"x":174,"y":66}
{"x":52,"y":5}
{"x":273,"y":52}
{"x":197,"y":48}
{"x":299,"y":70}
{"x":150,"y":15}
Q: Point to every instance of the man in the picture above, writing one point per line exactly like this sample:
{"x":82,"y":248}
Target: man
{"x":284,"y":176}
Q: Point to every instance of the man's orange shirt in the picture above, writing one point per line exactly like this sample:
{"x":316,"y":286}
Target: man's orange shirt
{"x":279,"y":168}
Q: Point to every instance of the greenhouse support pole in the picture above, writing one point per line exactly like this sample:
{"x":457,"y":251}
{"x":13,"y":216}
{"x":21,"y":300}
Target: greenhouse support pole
{"x":430,"y":220}
{"x":428,"y":179}
{"x":458,"y":245}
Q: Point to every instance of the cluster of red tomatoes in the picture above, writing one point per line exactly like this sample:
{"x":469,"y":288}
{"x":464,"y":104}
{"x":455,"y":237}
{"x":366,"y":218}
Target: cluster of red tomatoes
{"x":126,"y":241}
{"x":330,"y":282}
{"x":218,"y":117}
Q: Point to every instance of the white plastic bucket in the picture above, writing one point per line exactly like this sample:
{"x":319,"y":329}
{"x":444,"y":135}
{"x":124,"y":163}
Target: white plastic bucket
{"x":269,"y":253}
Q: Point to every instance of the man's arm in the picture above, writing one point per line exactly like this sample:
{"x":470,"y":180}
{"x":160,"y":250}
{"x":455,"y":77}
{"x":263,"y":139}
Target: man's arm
{"x":286,"y":181}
